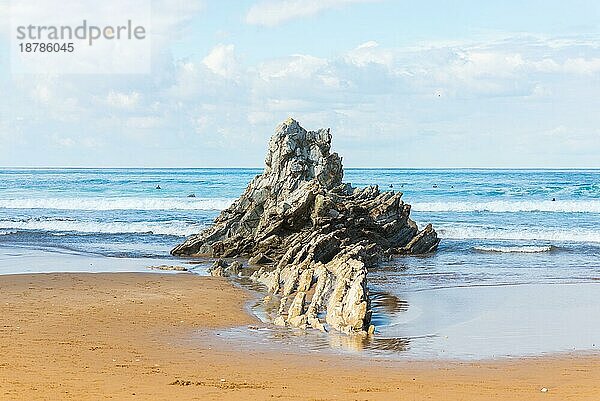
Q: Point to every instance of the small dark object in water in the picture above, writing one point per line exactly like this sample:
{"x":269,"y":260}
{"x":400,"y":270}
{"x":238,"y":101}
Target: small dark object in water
{"x":391,"y":185}
{"x":191,"y":196}
{"x":553,"y":199}
{"x":158,"y":187}
{"x":435,"y":185}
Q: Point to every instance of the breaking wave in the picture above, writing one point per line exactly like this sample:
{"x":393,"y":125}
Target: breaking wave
{"x":567,"y":235}
{"x":58,"y":227}
{"x":118,"y":203}
{"x":587,"y":206}
{"x":515,"y":249}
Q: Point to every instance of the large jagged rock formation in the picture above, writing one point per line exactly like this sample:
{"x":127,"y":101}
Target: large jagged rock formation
{"x":312,"y":235}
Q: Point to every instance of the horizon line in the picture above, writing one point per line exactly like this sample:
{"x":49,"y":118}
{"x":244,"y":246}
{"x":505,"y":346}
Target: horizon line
{"x":262,"y":167}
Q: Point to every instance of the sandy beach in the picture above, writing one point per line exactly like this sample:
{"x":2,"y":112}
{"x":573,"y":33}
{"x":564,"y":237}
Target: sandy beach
{"x":135,"y":336}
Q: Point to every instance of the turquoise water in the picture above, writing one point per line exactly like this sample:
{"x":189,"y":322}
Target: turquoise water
{"x":496,"y":225}
{"x":486,"y":217}
{"x":528,"y":229}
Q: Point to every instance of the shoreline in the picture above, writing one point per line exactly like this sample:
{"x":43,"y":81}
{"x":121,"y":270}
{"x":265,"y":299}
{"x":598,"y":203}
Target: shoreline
{"x":87,"y":336}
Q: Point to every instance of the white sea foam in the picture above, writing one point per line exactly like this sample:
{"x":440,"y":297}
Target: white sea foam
{"x":581,"y":206}
{"x":515,"y":249}
{"x":552,"y":235}
{"x":60,"y":227}
{"x":4,"y":232}
{"x":118,"y":203}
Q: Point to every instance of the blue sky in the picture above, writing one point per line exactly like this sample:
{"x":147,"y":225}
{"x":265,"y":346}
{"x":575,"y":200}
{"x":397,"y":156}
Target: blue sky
{"x":401,"y":84}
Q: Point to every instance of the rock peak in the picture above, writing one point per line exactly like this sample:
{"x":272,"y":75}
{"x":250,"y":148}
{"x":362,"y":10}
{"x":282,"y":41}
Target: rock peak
{"x":296,"y":155}
{"x":290,"y":121}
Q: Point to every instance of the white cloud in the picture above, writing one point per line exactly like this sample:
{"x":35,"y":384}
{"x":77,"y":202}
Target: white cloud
{"x":258,"y":117}
{"x":274,"y":12}
{"x":297,"y":66}
{"x":42,"y":93}
{"x":578,"y":65}
{"x":370,"y":53}
{"x":63,"y":142}
{"x":222,"y":61}
{"x":288,"y":104}
{"x":74,"y":141}
{"x":123,"y":100}
{"x":143,"y":122}
{"x":581,"y":65}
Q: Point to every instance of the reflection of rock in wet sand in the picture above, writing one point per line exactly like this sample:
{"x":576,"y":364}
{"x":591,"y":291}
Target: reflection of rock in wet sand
{"x":388,"y":303}
{"x":385,"y":306}
{"x":334,"y":340}
{"x":360,"y":342}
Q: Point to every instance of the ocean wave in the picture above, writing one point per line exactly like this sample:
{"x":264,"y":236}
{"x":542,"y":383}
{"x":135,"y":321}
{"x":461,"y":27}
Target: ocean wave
{"x":566,"y":235}
{"x":61,"y":227}
{"x":559,"y":206}
{"x":4,"y":232}
{"x":515,"y":249}
{"x":118,"y":203}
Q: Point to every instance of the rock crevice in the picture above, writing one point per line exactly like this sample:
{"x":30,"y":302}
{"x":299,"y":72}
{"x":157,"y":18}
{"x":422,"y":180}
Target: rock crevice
{"x":312,"y":236}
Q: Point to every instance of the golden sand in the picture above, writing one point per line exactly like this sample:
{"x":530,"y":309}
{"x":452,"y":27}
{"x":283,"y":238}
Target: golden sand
{"x":131,"y":336}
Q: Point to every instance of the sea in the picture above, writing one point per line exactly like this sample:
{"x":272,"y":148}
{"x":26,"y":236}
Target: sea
{"x":517,"y":272}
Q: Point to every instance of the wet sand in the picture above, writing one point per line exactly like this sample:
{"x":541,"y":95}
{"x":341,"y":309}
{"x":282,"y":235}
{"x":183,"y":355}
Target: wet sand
{"x":135,"y":336}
